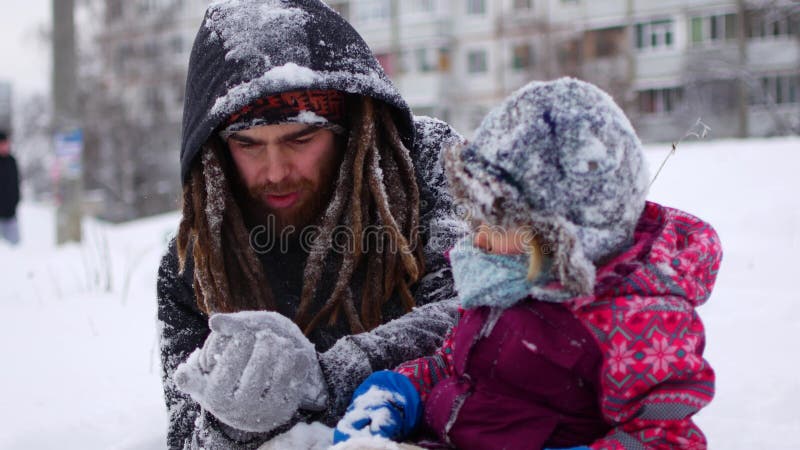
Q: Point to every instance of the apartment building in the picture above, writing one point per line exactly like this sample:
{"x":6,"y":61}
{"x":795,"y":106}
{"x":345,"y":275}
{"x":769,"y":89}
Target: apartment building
{"x":733,"y":64}
{"x":667,"y":62}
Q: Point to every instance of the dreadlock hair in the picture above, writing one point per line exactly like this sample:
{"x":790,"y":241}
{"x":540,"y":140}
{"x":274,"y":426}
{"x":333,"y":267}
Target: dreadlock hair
{"x":376,"y":189}
{"x":227,"y":273}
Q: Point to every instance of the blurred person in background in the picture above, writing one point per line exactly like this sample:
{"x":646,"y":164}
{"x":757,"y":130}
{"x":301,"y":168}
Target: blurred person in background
{"x":9,"y":192}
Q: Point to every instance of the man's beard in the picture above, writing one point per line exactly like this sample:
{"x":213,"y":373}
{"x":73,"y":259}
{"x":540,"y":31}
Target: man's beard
{"x":289,"y":222}
{"x":304,"y":212}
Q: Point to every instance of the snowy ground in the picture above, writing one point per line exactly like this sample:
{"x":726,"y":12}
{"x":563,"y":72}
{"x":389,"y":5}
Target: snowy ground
{"x":80,"y":367}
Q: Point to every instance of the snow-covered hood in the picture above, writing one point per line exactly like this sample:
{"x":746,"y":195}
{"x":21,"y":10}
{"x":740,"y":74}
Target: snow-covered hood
{"x":674,"y":255}
{"x":247,"y":49}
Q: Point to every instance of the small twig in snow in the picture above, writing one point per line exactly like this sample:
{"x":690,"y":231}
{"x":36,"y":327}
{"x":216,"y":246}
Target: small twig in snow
{"x":699,"y":131}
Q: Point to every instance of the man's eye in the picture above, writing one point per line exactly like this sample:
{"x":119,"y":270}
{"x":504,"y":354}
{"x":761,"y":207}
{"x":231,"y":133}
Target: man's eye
{"x":247,"y":147}
{"x":303,"y":140}
{"x":242,"y":144}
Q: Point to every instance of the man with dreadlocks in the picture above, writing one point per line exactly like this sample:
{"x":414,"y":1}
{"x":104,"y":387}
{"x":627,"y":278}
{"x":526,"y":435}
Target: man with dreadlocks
{"x":315,"y":217}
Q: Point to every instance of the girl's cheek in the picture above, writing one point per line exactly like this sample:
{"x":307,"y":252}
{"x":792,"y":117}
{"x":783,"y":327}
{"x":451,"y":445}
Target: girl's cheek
{"x":481,"y":241}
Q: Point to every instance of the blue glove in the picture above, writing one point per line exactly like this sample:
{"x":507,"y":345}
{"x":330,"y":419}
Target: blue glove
{"x":582,"y":447}
{"x":386,"y":404}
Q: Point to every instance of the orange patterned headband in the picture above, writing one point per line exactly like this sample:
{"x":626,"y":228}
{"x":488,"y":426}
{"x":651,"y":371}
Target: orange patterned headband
{"x":316,"y":107}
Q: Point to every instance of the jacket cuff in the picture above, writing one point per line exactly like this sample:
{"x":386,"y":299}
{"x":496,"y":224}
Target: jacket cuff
{"x":212,"y":434}
{"x":344,"y":366}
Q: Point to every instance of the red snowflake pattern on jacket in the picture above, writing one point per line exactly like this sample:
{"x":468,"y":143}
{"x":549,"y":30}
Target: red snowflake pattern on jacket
{"x":642,"y":314}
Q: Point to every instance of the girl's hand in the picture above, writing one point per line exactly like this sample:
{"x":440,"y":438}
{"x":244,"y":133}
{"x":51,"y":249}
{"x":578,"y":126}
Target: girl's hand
{"x":386,"y":404}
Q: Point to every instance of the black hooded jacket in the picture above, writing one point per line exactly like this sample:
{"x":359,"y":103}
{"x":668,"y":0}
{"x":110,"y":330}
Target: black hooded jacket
{"x":9,"y":187}
{"x":247,"y":49}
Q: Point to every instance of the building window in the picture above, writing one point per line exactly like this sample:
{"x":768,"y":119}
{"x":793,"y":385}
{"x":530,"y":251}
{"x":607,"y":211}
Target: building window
{"x":476,"y":62}
{"x":522,"y":5}
{"x":424,"y":63}
{"x":419,"y":6}
{"x":522,"y":57}
{"x":444,"y":59}
{"x":731,"y":26}
{"x":660,"y":101}
{"x":476,"y":7}
{"x":373,"y":10}
{"x":713,"y":29}
{"x":762,"y":25}
{"x":114,"y":10}
{"x":604,"y":43}
{"x":779,"y":90}
{"x":756,"y":28}
{"x":658,"y":34}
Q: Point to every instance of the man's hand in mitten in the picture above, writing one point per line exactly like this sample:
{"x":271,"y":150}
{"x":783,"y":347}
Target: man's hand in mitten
{"x":254,"y":371}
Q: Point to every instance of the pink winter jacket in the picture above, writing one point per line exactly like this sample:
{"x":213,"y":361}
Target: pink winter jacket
{"x":653,"y":377}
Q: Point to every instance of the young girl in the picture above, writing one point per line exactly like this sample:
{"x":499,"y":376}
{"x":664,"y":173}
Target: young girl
{"x":578,"y":326}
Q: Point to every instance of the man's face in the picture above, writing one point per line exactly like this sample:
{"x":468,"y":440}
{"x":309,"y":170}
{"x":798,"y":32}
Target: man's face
{"x":288,"y":171}
{"x":5,"y":148}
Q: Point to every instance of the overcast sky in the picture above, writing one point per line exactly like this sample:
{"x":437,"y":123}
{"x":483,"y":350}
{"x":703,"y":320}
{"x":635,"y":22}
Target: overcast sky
{"x":24,"y":56}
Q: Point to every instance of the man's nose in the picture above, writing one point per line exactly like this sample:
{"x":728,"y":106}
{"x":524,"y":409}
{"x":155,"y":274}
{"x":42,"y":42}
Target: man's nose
{"x":278,"y":166}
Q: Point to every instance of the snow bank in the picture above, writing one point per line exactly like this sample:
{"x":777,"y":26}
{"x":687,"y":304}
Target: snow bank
{"x":747,"y":191}
{"x":81,"y":365}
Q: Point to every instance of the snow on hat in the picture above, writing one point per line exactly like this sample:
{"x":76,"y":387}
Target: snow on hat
{"x":562,"y":157}
{"x":323,"y":107}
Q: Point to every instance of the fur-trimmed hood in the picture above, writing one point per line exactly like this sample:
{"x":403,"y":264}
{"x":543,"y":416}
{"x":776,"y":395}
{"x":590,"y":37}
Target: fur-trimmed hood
{"x":674,"y":255}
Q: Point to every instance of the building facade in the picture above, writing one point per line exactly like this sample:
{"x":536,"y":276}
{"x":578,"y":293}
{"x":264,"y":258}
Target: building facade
{"x":733,"y":64}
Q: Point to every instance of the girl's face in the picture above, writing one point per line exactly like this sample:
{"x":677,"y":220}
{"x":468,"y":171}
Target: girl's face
{"x":503,"y":241}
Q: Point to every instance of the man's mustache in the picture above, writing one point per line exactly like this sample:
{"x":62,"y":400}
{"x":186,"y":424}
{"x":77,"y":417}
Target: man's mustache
{"x":284,"y":187}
